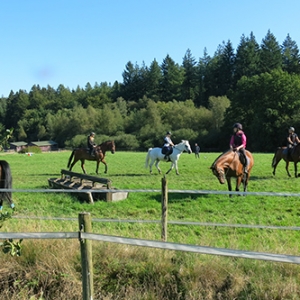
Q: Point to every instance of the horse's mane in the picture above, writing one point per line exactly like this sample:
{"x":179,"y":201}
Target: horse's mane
{"x":216,"y":160}
{"x":107,"y":142}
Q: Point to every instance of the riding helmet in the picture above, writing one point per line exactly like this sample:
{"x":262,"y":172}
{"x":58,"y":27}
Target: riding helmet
{"x":92,"y":133}
{"x":292,"y":129}
{"x":238,"y":126}
{"x":169,"y":132}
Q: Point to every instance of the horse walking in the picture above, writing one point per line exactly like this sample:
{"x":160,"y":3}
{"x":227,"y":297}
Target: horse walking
{"x":228,"y":165}
{"x":282,"y":153}
{"x":155,"y":155}
{"x":5,"y":183}
{"x":82,"y":154}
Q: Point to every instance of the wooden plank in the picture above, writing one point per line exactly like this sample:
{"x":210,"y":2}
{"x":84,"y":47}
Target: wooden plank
{"x":87,"y":177}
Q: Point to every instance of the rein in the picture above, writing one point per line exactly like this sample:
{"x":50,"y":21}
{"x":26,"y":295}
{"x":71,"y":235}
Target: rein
{"x":225,"y":173}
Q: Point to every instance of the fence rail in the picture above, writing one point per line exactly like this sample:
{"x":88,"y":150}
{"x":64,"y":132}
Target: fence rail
{"x":153,"y":244}
{"x":197,"y":192}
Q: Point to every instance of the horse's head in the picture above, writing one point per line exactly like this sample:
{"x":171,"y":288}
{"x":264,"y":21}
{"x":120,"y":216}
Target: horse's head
{"x":113,"y":147}
{"x":185,"y":146}
{"x":218,"y":172}
{"x":108,"y":145}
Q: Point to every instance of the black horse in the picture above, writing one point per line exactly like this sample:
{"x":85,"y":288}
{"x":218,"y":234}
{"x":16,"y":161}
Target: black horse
{"x":283,"y":153}
{"x":5,"y":183}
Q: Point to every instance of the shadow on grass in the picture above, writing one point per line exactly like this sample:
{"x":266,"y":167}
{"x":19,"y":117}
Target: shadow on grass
{"x":177,"y":197}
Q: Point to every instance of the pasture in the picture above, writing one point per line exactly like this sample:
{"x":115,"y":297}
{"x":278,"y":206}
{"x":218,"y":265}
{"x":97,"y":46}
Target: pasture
{"x":134,"y":273}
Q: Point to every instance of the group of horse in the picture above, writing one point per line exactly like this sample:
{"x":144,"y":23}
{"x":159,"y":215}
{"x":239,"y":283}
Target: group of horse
{"x":226,"y":166}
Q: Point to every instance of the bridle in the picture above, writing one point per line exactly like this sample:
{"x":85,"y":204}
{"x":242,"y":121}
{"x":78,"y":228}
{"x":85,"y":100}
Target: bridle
{"x":221,"y":171}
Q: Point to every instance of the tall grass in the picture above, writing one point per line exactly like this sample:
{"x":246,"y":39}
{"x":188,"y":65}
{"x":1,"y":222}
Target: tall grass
{"x":51,"y":269}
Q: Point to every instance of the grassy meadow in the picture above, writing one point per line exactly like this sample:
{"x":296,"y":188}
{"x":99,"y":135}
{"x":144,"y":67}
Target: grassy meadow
{"x":50,"y":269}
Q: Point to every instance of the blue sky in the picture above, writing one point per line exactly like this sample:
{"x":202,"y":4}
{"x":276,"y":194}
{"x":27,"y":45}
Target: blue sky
{"x":52,"y":42}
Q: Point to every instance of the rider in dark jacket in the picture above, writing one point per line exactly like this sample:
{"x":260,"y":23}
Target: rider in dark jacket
{"x":292,"y":140}
{"x":90,"y":143}
{"x":238,"y":142}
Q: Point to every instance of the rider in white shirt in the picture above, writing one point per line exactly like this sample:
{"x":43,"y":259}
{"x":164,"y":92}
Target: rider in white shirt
{"x":168,"y":144}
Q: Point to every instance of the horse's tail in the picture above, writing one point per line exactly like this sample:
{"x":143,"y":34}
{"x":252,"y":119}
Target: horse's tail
{"x":6,"y":180}
{"x":274,"y":160}
{"x":147,"y":158}
{"x":71,"y":157}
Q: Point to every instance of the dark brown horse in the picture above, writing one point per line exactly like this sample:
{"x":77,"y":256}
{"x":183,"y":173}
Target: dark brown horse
{"x":228,"y":165}
{"x":282,"y":153}
{"x":5,"y":183}
{"x":83,"y":154}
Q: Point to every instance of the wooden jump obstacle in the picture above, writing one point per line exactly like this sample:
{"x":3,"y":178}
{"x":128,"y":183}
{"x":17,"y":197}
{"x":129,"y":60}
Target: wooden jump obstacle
{"x":79,"y":181}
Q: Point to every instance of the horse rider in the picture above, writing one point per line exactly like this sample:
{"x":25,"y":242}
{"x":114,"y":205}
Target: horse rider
{"x":238,"y":142}
{"x":90,"y":143}
{"x":292,"y":140}
{"x":168,"y":144}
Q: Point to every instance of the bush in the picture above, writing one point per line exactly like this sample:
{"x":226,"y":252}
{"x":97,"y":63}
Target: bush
{"x":126,"y":142}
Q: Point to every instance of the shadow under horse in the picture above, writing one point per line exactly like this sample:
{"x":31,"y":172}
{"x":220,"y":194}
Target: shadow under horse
{"x":288,"y":155}
{"x":83,"y":154}
{"x":229,"y":165}
{"x":5,"y":183}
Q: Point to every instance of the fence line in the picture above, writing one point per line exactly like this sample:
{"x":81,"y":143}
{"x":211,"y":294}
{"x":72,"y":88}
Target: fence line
{"x":292,"y":228}
{"x":199,"y":192}
{"x":155,"y":244}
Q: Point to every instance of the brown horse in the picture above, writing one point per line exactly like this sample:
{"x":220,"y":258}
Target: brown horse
{"x":5,"y":183}
{"x":228,"y":165}
{"x":282,"y":153}
{"x":83,"y":154}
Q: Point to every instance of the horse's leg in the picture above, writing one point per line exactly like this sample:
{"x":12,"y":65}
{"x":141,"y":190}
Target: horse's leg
{"x":105,"y":164}
{"x":157,"y":166}
{"x":171,"y":168}
{"x":176,"y":167}
{"x":275,"y":163}
{"x":150,"y":165}
{"x":287,"y":168}
{"x":82,"y":166}
{"x":229,"y":185}
{"x":295,"y":167}
{"x":97,"y":166}
{"x":73,"y":163}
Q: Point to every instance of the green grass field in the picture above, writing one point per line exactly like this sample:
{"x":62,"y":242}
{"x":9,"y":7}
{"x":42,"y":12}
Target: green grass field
{"x":124,"y":272}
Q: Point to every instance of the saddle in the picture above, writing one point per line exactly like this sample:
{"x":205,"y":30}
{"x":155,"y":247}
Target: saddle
{"x":96,"y":150}
{"x":167,"y":150}
{"x":243,"y":158}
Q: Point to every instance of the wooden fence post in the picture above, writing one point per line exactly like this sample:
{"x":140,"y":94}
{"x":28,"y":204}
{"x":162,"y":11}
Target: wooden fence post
{"x":164,"y":208}
{"x":85,"y":225}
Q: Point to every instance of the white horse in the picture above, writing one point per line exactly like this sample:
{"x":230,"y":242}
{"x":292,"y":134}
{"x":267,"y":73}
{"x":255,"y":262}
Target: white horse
{"x":154,"y":154}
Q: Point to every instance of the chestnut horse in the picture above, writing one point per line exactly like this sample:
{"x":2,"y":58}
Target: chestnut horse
{"x":228,"y":165}
{"x":83,"y":154}
{"x":282,"y":153}
{"x":5,"y":183}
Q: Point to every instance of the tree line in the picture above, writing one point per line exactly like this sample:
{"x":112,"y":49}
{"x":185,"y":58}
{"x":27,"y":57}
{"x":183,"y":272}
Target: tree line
{"x":257,"y":85}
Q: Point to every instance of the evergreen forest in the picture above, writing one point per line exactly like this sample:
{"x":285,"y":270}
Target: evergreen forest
{"x":256,"y":84}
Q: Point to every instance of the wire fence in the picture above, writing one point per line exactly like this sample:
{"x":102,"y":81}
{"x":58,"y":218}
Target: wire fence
{"x":157,"y":244}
